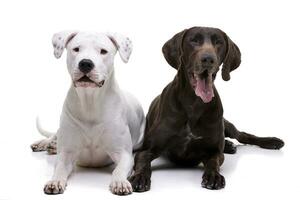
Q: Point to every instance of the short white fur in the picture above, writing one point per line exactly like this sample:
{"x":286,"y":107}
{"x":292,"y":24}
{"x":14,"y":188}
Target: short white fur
{"x":98,"y":126}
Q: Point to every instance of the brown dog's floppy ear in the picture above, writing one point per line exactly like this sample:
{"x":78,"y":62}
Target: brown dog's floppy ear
{"x":172,"y":49}
{"x":232,"y":59}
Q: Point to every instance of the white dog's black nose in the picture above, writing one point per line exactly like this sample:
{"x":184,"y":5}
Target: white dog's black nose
{"x":86,"y":65}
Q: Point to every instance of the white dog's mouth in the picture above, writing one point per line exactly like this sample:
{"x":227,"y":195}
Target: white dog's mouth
{"x":86,"y":82}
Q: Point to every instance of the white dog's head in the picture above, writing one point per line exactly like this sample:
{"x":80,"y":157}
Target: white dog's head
{"x":90,"y":56}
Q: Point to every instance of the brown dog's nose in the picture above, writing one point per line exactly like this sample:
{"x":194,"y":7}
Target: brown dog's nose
{"x":86,"y":65}
{"x":207,"y":60}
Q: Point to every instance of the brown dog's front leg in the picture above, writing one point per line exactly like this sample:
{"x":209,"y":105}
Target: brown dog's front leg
{"x":141,"y":180}
{"x":211,"y":178}
{"x":152,"y":148}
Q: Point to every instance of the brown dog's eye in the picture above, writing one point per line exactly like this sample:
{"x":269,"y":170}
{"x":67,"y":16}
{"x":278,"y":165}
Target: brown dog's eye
{"x":76,"y":49}
{"x":198,"y":39}
{"x":103,"y":51}
{"x":218,"y":42}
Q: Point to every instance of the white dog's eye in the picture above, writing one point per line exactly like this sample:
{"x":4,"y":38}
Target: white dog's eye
{"x":103,"y":51}
{"x":76,"y":49}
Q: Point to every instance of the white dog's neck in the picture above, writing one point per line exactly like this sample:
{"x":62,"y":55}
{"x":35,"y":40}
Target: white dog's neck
{"x":87,"y":102}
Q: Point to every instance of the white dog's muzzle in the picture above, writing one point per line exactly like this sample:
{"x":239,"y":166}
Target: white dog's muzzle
{"x":86,"y":81}
{"x":86,"y":76}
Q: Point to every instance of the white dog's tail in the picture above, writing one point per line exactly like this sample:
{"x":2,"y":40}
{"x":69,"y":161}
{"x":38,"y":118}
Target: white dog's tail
{"x":41,"y":130}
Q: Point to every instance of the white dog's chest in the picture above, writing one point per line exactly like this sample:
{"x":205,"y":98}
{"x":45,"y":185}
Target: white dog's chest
{"x":92,"y":151}
{"x":96,"y":129}
{"x":93,"y":157}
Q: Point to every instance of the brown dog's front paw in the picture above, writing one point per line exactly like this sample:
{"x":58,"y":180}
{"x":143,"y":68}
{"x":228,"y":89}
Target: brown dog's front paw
{"x":140,"y":183}
{"x":213,"y":181}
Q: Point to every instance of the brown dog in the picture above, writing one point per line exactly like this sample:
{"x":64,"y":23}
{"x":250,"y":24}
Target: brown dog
{"x":185,"y":123}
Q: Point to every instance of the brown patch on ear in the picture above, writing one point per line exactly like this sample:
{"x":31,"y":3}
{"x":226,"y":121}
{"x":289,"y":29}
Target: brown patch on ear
{"x":172,"y":49}
{"x":232,"y":58}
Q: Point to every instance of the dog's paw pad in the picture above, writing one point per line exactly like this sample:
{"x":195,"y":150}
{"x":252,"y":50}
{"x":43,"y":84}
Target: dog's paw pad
{"x":55,"y":187}
{"x":140,"y":183}
{"x":213,"y":181}
{"x":120,"y":187}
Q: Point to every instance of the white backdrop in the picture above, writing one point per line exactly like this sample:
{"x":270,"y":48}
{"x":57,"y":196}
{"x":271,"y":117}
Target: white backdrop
{"x":262,"y":96}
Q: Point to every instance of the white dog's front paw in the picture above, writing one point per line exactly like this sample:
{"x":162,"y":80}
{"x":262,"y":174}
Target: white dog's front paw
{"x":55,"y":187}
{"x":121,"y":187}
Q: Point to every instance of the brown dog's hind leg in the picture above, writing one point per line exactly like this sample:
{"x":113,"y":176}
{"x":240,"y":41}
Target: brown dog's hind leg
{"x":246,"y":138}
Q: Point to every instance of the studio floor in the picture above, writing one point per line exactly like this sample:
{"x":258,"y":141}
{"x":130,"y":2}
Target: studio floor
{"x":269,"y":176}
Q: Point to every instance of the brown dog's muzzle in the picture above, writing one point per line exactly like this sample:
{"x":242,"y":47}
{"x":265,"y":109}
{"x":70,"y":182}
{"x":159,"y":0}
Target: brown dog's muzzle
{"x":207,"y":60}
{"x":205,"y":66}
{"x":206,"y":56}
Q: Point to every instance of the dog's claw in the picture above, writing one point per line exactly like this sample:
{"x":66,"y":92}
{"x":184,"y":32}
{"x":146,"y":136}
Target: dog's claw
{"x":120,"y":187}
{"x":45,"y":145}
{"x":39,"y":146}
{"x":55,"y":187}
{"x":272,"y":143}
{"x":34,"y":148}
{"x":140,"y":183}
{"x":213,"y":181}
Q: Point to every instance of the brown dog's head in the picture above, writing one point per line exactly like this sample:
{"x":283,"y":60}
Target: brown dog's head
{"x":200,"y":51}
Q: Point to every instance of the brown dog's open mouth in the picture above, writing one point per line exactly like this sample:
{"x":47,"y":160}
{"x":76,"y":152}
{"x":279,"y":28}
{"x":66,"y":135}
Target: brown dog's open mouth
{"x":203,"y":86}
{"x":87,"y":82}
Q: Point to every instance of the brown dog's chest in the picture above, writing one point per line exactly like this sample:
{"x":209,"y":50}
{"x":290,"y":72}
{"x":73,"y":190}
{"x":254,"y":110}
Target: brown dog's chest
{"x":191,"y":146}
{"x":199,"y":113}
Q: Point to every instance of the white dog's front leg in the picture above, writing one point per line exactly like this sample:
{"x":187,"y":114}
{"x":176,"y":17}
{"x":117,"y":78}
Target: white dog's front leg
{"x":63,"y":168}
{"x":119,"y":184}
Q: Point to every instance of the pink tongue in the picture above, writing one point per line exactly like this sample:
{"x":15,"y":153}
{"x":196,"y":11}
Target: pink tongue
{"x":204,"y":89}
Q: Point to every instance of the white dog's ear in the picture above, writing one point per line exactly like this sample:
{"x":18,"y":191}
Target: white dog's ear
{"x":123,"y":45}
{"x":60,"y":41}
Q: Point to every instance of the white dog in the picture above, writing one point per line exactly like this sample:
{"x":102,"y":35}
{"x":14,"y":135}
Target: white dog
{"x":100,"y":124}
